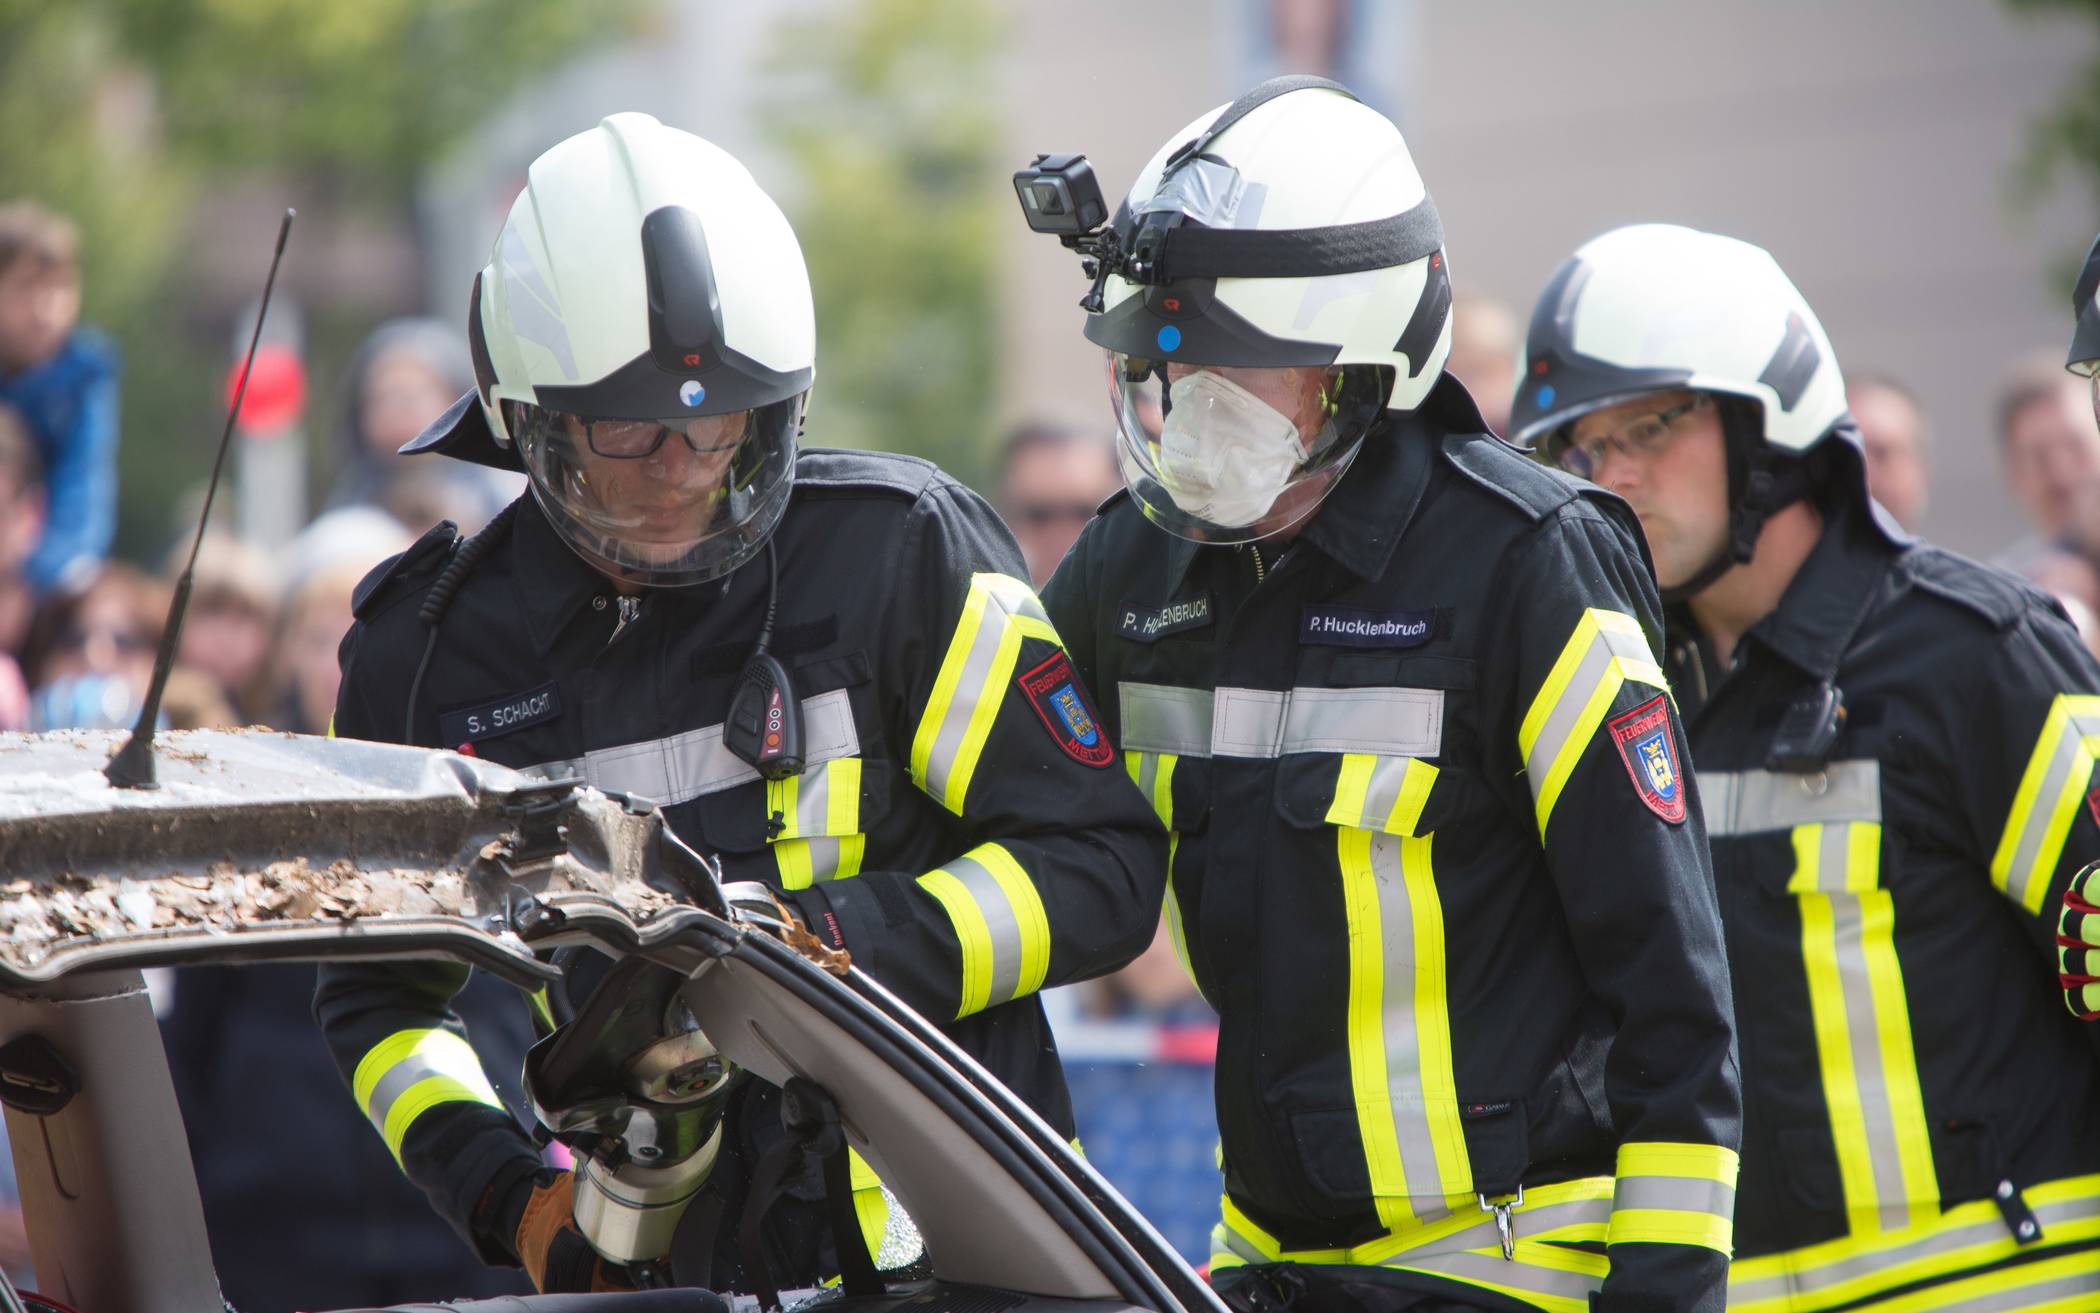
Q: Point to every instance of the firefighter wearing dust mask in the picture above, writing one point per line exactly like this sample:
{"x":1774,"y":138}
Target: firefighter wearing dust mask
{"x":1436,"y":858}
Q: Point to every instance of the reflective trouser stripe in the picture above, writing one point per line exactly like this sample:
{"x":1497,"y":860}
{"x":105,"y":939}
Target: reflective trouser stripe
{"x":1000,"y":923}
{"x":412,"y":1071}
{"x":1606,"y":650}
{"x":1674,"y":1194}
{"x":1967,"y":1236}
{"x":1400,"y":1066}
{"x":1153,"y":773}
{"x":819,"y":812}
{"x":1862,"y":1024}
{"x":1465,"y":1246}
{"x":2047,"y":800}
{"x":999,"y":612}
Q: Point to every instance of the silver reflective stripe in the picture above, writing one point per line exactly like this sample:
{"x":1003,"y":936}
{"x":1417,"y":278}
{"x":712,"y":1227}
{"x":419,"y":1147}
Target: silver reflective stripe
{"x":1161,"y":718}
{"x":1426,"y":1188}
{"x":1382,"y":791}
{"x":1864,"y":1040}
{"x":1248,"y":722}
{"x":2070,"y":749}
{"x":1833,"y":869}
{"x":686,"y":766}
{"x":1267,"y":723}
{"x":1984,"y":1231}
{"x":1000,"y":923}
{"x":1496,"y":1271}
{"x":438,"y":1059}
{"x":1756,"y":801}
{"x":1004,"y":599}
{"x":1607,"y":646}
{"x":1677,"y":1194}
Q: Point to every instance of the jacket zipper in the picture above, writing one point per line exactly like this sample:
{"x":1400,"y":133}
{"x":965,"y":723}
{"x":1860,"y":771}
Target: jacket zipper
{"x":630,"y":610}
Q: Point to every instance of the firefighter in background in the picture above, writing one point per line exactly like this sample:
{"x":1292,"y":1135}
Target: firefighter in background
{"x":1894,"y":748}
{"x":1436,"y":859}
{"x":644,"y":344}
{"x":2078,"y":939}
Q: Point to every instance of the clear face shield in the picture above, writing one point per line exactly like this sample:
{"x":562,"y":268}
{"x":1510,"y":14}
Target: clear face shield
{"x":665,"y":503}
{"x":1227,"y":454}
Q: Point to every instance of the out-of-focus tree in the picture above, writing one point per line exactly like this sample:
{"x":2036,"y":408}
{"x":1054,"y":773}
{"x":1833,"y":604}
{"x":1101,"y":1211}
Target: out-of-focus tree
{"x":2066,"y":139}
{"x":129,"y":115}
{"x":881,"y":112}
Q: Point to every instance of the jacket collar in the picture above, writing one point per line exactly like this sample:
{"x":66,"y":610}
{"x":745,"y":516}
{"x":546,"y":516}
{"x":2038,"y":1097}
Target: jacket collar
{"x":553,"y":584}
{"x":1364,"y":518}
{"x":1822,"y":607}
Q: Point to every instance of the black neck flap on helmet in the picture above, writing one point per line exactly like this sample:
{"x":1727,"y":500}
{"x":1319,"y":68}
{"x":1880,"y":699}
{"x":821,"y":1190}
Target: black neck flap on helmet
{"x":2085,"y":303}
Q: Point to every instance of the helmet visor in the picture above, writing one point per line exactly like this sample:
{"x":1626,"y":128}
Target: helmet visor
{"x":666,"y":503}
{"x":1225,"y":454}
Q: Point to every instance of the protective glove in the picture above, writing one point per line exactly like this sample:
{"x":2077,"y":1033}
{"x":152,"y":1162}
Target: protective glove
{"x":2078,"y":944}
{"x":550,"y":1248}
{"x":781,"y":915}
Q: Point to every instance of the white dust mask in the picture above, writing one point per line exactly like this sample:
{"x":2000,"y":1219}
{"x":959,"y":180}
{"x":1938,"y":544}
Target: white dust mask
{"x":1225,"y":455}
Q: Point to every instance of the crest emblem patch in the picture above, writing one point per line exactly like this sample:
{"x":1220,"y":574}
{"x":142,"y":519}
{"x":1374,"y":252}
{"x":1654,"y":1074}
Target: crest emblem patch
{"x":1053,"y":690}
{"x":1650,"y":752}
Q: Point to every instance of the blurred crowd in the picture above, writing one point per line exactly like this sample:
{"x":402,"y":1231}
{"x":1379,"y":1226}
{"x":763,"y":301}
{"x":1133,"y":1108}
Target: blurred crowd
{"x":79,"y":631}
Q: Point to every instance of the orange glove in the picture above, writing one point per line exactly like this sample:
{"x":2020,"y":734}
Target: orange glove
{"x":554,"y":1253}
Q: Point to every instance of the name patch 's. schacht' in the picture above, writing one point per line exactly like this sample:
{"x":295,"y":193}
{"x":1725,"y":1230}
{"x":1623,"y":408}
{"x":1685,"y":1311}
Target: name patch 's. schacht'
{"x":513,"y":711}
{"x":1354,"y":626}
{"x":1149,"y":624}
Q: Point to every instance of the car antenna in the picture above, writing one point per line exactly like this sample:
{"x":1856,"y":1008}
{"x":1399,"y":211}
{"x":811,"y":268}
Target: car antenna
{"x":132,"y":766}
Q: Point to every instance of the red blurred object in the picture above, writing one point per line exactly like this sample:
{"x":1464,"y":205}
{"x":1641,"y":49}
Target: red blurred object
{"x":1187,"y":1044}
{"x":276,"y":393}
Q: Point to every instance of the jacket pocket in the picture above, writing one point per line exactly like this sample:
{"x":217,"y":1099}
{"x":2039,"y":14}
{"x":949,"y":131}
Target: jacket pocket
{"x":1406,"y":797}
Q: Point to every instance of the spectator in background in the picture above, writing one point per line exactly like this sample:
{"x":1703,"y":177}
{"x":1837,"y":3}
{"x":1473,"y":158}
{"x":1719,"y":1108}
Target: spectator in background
{"x":233,"y":609}
{"x":89,"y":654}
{"x":1051,"y":477}
{"x":1898,"y":444}
{"x":302,"y":671}
{"x":1484,"y":341}
{"x":2051,"y":450}
{"x":21,"y":524}
{"x":63,"y":379}
{"x":304,"y":1205}
{"x":404,"y":376}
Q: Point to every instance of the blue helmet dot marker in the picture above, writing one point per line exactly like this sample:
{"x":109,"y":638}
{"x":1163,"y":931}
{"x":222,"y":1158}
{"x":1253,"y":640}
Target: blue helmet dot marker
{"x":690,"y":393}
{"x":1169,"y":338}
{"x":1545,"y":394}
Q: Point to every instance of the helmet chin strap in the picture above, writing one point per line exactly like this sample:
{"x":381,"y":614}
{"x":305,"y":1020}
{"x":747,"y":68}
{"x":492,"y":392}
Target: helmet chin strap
{"x":1761,"y":483}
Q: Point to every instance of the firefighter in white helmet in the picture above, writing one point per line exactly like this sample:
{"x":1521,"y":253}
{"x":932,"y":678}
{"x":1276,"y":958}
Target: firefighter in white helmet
{"x":1437,"y":862}
{"x":1895,"y":749}
{"x":826,"y":667}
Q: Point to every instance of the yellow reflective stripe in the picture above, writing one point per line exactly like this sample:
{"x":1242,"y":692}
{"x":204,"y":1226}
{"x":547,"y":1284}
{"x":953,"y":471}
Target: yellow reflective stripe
{"x":331,"y":726}
{"x":1702,"y":1162}
{"x":1606,"y":650}
{"x":1465,"y":1247}
{"x":2047,"y":800}
{"x":1399,"y":1029}
{"x":999,"y":612}
{"x":1674,"y":1194}
{"x":1670,"y":1226}
{"x":1971,"y":1235}
{"x":542,"y":1010}
{"x":1862,"y":1025}
{"x":817,"y":839}
{"x":870,"y":1205}
{"x":411,"y":1071}
{"x":1000,"y":925}
{"x":1381,"y":793}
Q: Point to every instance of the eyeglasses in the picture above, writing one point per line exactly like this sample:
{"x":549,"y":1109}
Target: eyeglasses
{"x":1643,"y":437}
{"x":1041,"y":515}
{"x":633,"y":439}
{"x":76,"y":638}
